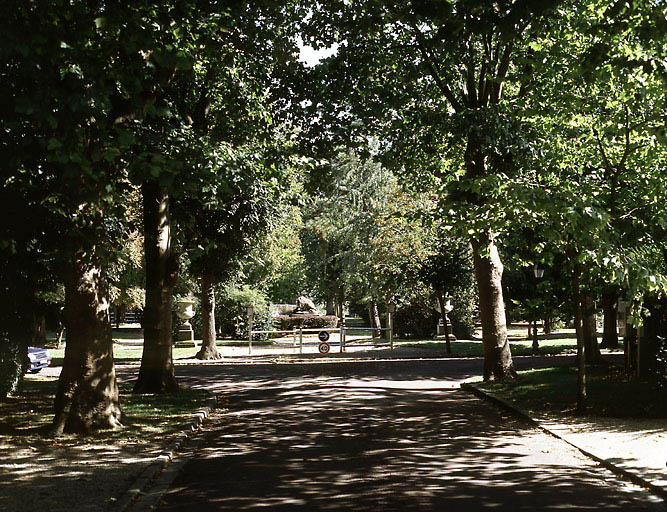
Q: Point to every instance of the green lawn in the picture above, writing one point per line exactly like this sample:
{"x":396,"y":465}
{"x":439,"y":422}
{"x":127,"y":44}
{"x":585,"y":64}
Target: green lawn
{"x":146,"y":417}
{"x":474,"y":348}
{"x":610,"y":392}
{"x":560,"y":342}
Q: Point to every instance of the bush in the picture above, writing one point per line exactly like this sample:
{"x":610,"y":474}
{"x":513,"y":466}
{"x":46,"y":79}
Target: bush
{"x":231,"y":317}
{"x":415,"y":321}
{"x":286,"y":322}
{"x":13,"y":364}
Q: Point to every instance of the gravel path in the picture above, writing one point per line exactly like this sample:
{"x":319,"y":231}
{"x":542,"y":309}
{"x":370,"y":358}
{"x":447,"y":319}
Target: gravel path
{"x":380,"y":436}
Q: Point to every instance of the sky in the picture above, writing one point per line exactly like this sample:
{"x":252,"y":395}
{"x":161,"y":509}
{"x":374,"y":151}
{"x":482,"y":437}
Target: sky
{"x":310,"y":56}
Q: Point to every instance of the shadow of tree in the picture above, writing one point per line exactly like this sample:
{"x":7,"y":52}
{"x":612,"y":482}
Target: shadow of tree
{"x":378,"y":436}
{"x":80,"y":472}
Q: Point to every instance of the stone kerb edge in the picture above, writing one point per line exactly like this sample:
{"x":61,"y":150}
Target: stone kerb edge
{"x":517,"y":411}
{"x":150,"y":473}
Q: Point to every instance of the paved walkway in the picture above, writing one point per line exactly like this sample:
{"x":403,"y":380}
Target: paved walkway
{"x":389,"y":435}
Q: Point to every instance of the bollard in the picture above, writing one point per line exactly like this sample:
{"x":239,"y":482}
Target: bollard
{"x":300,"y":340}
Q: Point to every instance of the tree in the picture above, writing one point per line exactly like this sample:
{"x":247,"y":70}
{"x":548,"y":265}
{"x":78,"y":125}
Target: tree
{"x":60,"y":123}
{"x":367,"y":241}
{"x":448,"y":270}
{"x":237,"y":144}
{"x":418,"y":73}
{"x":599,"y":182}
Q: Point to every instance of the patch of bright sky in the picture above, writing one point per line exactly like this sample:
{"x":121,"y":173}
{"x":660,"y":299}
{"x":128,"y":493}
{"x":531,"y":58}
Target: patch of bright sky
{"x":310,"y":56}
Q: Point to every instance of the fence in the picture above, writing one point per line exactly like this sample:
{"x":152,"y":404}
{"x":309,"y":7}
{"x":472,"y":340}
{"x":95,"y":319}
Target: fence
{"x":323,"y":337}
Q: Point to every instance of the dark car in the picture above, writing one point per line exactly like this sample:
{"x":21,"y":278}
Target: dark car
{"x":39,"y":358}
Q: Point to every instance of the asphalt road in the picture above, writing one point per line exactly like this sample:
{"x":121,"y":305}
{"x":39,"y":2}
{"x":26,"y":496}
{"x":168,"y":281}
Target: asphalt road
{"x":379,"y":436}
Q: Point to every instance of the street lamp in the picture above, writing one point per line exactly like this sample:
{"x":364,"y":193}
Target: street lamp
{"x":539,"y":274}
{"x":251,"y":312}
{"x":391,"y":307}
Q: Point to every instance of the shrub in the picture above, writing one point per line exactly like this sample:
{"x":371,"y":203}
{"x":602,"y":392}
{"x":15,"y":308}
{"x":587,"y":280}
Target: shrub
{"x":13,"y":364}
{"x":231,"y":317}
{"x":415,"y":321}
{"x":286,"y":322}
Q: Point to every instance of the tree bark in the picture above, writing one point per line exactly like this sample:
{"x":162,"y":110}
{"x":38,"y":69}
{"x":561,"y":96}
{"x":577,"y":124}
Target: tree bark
{"x":610,"y":309}
{"x":488,"y":273}
{"x":375,"y":321}
{"x":443,"y":314}
{"x":547,"y":325}
{"x":156,"y":374}
{"x":39,"y":330}
{"x":330,"y":306}
{"x":591,"y":349}
{"x":59,"y":335}
{"x":208,"y":348}
{"x":87,"y":397}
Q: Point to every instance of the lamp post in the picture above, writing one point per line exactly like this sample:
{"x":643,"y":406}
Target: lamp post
{"x":539,"y":274}
{"x":251,"y":313}
{"x":391,"y":307}
{"x":444,"y":308}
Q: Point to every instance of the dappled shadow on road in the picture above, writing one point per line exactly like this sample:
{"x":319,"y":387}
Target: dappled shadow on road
{"x":360,"y":437}
{"x":638,"y":445}
{"x":69,"y":473}
{"x":78,"y":472}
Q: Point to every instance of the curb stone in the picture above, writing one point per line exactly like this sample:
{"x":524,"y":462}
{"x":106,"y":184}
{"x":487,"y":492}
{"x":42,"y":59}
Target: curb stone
{"x":151,"y":473}
{"x":619,"y":471}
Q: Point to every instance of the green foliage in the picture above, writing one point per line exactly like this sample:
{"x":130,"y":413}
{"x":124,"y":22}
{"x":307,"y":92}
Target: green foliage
{"x":231,"y":317}
{"x":464,"y":314}
{"x":13,"y":364}
{"x":415,"y":320}
{"x":363,"y":239}
{"x":276,"y":263}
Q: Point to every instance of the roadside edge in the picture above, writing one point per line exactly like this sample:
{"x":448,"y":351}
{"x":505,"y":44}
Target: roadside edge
{"x":150,"y":474}
{"x":517,"y":411}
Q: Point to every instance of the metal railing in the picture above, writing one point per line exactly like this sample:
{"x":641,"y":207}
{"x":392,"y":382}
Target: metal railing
{"x":343,"y":330}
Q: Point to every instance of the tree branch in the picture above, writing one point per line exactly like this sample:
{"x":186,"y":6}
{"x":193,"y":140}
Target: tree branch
{"x":626,"y":150}
{"x":456,"y":104}
{"x":607,"y":165}
{"x":503,"y":67}
{"x":470,"y":76}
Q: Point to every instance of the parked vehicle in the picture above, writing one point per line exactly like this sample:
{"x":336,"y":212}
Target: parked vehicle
{"x":39,"y":358}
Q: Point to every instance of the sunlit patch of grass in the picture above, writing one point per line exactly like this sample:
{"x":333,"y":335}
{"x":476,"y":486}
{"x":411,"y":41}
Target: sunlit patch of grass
{"x":466,"y":348}
{"x":126,"y":355}
{"x":610,"y":392}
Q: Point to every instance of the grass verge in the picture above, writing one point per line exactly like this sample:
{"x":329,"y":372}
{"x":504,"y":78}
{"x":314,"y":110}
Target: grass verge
{"x":147,"y":418}
{"x":474,"y":348}
{"x":610,"y":392}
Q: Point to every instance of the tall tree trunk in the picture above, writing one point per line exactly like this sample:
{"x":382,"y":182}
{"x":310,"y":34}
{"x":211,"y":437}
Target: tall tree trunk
{"x":87,"y":396}
{"x":375,"y":321}
{"x":591,"y":349}
{"x":329,"y":303}
{"x":387,"y":315}
{"x":488,"y":272}
{"x":156,"y":374}
{"x":443,"y":314}
{"x":547,"y":325}
{"x":610,"y":309}
{"x":39,"y":330}
{"x":59,"y":334}
{"x":579,"y":328}
{"x":208,"y":348}
{"x":536,"y":343}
